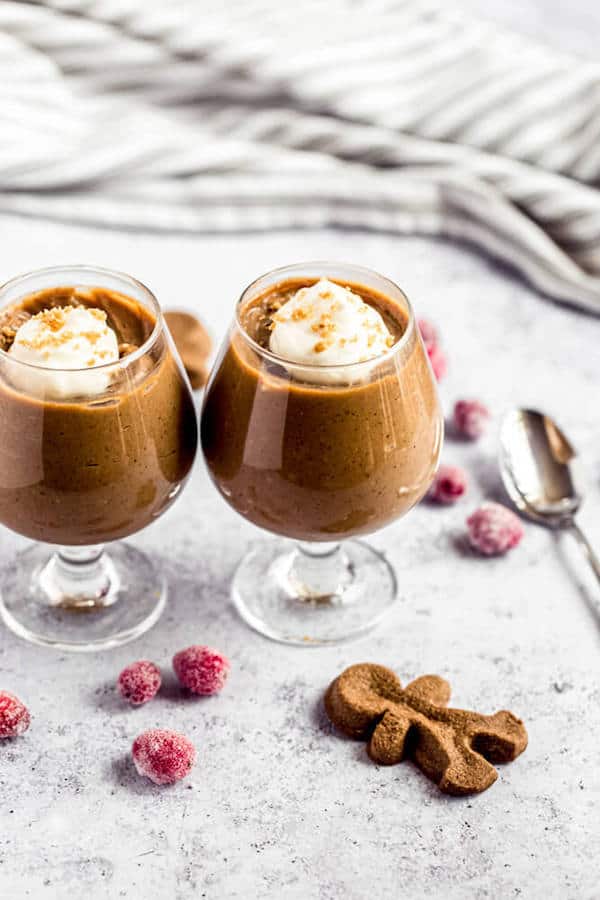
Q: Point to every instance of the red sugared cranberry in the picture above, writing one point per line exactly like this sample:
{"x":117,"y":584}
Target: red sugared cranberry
{"x":471,"y":418}
{"x":494,"y":529}
{"x":449,"y":484}
{"x":14,"y":716}
{"x":436,"y":355}
{"x":139,"y":682}
{"x":438,"y":361}
{"x":202,"y":670}
{"x":163,"y":756}
{"x":428,"y":332}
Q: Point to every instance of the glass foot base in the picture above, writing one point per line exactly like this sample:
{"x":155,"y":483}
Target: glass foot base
{"x":46,"y":601}
{"x":294,"y":598}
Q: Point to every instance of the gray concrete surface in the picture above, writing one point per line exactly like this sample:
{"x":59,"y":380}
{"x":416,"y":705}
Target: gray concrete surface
{"x":279,"y":806}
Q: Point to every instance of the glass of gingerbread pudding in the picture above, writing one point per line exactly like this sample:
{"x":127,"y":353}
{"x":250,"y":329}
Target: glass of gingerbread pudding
{"x":98,"y":434}
{"x":320,"y":424}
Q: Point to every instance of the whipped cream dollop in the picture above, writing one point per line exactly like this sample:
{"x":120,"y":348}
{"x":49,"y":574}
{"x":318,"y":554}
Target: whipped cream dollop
{"x":63,"y":338}
{"x":328,"y":325}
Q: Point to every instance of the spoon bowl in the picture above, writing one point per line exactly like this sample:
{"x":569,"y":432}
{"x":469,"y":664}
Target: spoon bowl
{"x":534,"y":463}
{"x":535,"y":459}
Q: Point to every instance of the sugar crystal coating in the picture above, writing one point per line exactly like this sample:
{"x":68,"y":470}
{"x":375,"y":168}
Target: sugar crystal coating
{"x":436,"y":355}
{"x":428,"y":331}
{"x":494,"y":529}
{"x":162,"y":755}
{"x":471,"y":418}
{"x":201,"y":669}
{"x":139,"y":682}
{"x":449,"y":485}
{"x":14,"y":716}
{"x":438,"y":361}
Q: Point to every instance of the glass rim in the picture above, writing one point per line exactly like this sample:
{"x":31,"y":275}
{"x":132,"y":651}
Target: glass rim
{"x":337,"y":367}
{"x":101,"y":270}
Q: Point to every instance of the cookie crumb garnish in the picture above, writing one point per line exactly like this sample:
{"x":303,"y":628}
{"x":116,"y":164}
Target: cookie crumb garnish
{"x":302,"y":312}
{"x":55,"y":317}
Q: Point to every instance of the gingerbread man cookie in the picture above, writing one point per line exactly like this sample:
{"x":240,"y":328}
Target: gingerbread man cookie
{"x":453,"y":747}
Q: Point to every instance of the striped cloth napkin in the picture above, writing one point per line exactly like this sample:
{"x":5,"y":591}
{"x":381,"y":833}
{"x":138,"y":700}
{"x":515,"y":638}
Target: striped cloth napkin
{"x":403,"y":115}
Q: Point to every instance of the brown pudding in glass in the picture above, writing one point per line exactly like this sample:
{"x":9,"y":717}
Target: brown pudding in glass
{"x":320,"y":458}
{"x":93,"y":467}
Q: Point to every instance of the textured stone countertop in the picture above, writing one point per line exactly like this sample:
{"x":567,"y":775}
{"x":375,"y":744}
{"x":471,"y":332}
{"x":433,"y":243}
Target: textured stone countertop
{"x":279,"y":806}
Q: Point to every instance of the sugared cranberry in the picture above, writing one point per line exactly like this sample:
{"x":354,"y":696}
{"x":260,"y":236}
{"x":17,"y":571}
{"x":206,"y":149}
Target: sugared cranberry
{"x":202,"y":670}
{"x":438,"y":361}
{"x":436,"y":355}
{"x":494,"y":529}
{"x":471,"y":418}
{"x":14,"y":716}
{"x":449,"y":485}
{"x":163,"y":756}
{"x":139,"y":682}
{"x":428,"y":332}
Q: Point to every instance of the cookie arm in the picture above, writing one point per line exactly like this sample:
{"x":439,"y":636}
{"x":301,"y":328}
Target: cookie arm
{"x":429,"y":689}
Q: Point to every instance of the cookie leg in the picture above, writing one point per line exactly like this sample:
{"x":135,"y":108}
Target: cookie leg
{"x":500,"y":738}
{"x":448,"y":759}
{"x":467,"y":773}
{"x":388,"y":743}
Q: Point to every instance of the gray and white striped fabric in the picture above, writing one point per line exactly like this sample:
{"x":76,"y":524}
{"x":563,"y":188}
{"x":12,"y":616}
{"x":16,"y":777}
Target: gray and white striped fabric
{"x":223,"y":115}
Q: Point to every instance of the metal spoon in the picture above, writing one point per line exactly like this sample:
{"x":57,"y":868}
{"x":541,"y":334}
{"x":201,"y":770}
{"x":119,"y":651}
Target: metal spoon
{"x":534,"y":463}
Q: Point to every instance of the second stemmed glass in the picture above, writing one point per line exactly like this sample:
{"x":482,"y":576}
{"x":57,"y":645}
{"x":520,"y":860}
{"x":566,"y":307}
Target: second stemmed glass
{"x":319,"y":456}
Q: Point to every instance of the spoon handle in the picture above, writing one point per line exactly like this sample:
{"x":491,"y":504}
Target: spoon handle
{"x":585,"y":545}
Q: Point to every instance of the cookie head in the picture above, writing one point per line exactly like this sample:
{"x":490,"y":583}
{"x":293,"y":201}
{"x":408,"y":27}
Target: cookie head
{"x":359,"y":696}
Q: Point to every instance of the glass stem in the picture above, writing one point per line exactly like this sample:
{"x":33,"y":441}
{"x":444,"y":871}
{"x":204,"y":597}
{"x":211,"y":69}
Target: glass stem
{"x":320,"y":572}
{"x":79,"y":578}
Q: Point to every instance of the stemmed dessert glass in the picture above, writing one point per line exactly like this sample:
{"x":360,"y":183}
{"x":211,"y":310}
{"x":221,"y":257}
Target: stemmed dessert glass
{"x":77,"y":473}
{"x":320,"y":456}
